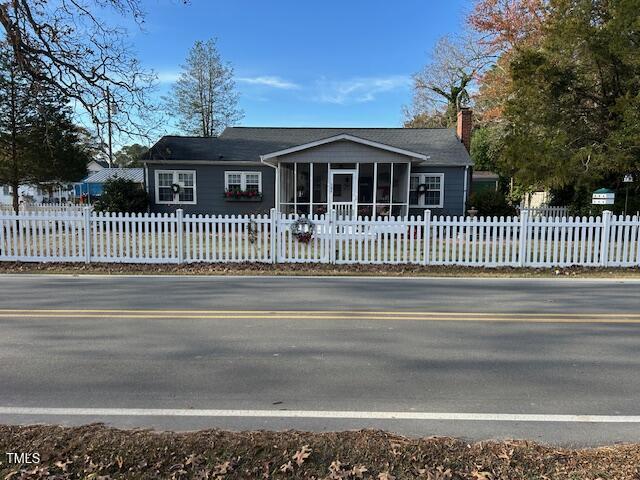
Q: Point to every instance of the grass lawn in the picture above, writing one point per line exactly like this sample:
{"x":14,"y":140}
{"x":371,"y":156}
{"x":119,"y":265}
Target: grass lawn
{"x":99,"y":452}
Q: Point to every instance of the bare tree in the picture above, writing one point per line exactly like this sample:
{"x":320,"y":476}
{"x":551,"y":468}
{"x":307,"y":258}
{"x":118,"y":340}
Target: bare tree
{"x":204,"y":96}
{"x":73,"y":46}
{"x":446,"y":82}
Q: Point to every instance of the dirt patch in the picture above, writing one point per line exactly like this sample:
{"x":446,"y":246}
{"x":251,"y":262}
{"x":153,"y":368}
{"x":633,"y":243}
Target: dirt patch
{"x":99,"y":452}
{"x":315,"y":270}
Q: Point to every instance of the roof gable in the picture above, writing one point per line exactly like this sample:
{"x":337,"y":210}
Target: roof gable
{"x":342,"y":137}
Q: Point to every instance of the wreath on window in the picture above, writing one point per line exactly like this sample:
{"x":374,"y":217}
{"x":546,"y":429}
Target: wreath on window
{"x":303,"y":229}
{"x":422,"y":189}
{"x":175,"y":188}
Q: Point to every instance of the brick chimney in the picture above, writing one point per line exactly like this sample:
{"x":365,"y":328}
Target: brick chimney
{"x":463,"y":128}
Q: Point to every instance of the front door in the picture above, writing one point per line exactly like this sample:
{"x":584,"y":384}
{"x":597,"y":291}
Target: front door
{"x":342,"y":192}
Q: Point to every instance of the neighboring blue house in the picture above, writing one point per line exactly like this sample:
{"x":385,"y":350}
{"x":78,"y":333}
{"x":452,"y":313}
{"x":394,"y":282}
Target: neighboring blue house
{"x":91,"y":187}
{"x":368,"y":171}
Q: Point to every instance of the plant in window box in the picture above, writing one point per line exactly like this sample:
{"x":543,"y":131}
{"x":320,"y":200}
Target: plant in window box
{"x":238,"y":195}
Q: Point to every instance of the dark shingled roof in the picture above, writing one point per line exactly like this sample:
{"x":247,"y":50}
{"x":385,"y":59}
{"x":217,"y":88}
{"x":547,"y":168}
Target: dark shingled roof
{"x":248,"y":143}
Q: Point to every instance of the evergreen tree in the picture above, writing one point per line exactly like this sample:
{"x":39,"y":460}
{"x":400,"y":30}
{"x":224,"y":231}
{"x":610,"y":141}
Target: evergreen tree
{"x":39,"y":142}
{"x":574,"y":111}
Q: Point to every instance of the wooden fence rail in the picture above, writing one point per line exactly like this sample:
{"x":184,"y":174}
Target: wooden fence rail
{"x":527,"y":240}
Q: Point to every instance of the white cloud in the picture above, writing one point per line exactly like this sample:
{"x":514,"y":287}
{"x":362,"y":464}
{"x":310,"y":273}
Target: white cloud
{"x":270,"y":81}
{"x":358,"y":90}
{"x":168,"y":76}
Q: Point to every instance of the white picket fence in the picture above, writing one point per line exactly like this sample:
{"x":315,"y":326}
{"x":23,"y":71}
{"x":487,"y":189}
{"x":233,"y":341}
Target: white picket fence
{"x":545,"y":211}
{"x":43,"y":208}
{"x":161,"y":238}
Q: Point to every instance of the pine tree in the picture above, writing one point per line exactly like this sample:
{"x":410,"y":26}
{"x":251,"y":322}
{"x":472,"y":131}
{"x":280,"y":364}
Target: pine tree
{"x":204,"y":96}
{"x":38,"y":140}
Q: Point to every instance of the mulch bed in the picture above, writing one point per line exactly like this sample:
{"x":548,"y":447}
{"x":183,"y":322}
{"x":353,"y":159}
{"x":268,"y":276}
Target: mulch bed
{"x":99,"y":452}
{"x":312,"y":269}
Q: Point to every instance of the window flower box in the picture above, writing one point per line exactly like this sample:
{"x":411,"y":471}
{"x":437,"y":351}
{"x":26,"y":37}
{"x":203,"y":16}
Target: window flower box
{"x":242,"y":196}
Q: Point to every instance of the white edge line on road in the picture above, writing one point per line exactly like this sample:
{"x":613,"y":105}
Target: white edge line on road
{"x":319,"y":414}
{"x":314,"y":277}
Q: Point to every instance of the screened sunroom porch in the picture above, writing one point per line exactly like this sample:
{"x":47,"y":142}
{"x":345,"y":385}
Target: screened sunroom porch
{"x":375,"y":189}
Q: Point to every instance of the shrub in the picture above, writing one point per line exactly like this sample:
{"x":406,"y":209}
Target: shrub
{"x":490,"y":203}
{"x":120,"y":195}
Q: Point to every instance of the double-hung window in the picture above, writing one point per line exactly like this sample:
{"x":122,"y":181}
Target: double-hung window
{"x":243,"y":181}
{"x":426,"y":190}
{"x":175,"y":186}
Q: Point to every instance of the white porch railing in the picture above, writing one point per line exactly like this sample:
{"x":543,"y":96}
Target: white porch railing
{"x":485,"y":241}
{"x":344,"y":209}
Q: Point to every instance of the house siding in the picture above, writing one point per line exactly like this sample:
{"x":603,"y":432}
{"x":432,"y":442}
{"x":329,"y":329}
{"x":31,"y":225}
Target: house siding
{"x":344,"y":152}
{"x":210,"y":189}
{"x":453,"y":189}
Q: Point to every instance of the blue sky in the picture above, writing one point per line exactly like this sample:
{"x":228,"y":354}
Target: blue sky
{"x":306,"y":63}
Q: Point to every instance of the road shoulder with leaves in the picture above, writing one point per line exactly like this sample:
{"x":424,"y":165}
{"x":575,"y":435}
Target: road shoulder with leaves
{"x":96,"y":451}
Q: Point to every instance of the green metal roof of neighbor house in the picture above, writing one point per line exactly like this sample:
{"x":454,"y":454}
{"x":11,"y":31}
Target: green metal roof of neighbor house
{"x":249,"y":143}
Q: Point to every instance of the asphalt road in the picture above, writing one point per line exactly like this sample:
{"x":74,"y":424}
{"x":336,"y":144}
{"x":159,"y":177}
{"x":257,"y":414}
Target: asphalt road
{"x":477,"y":358}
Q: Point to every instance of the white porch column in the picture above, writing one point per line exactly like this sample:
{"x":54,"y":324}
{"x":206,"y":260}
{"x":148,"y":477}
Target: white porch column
{"x":277,"y":201}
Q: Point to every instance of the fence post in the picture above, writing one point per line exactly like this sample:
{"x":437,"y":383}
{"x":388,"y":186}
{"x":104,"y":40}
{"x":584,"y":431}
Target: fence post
{"x":332,"y":239}
{"x":274,"y":229}
{"x":180,"y":232}
{"x":524,"y":238}
{"x":427,"y":237}
{"x":86,"y":217}
{"x":605,"y":237}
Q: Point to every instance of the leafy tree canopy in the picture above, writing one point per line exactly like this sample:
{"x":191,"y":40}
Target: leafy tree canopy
{"x":574,"y":112}
{"x":129,"y":155}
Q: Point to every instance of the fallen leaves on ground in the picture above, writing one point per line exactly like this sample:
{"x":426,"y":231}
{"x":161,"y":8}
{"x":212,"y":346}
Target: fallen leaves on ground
{"x":255,"y":268}
{"x":98,"y":452}
{"x":302,"y":455}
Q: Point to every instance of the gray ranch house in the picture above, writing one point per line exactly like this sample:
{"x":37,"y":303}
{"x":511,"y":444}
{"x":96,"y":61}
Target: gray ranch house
{"x":356,"y":171}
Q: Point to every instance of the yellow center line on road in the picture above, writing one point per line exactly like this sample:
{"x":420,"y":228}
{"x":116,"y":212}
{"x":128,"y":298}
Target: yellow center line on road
{"x":623,"y":318}
{"x":324,"y":312}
